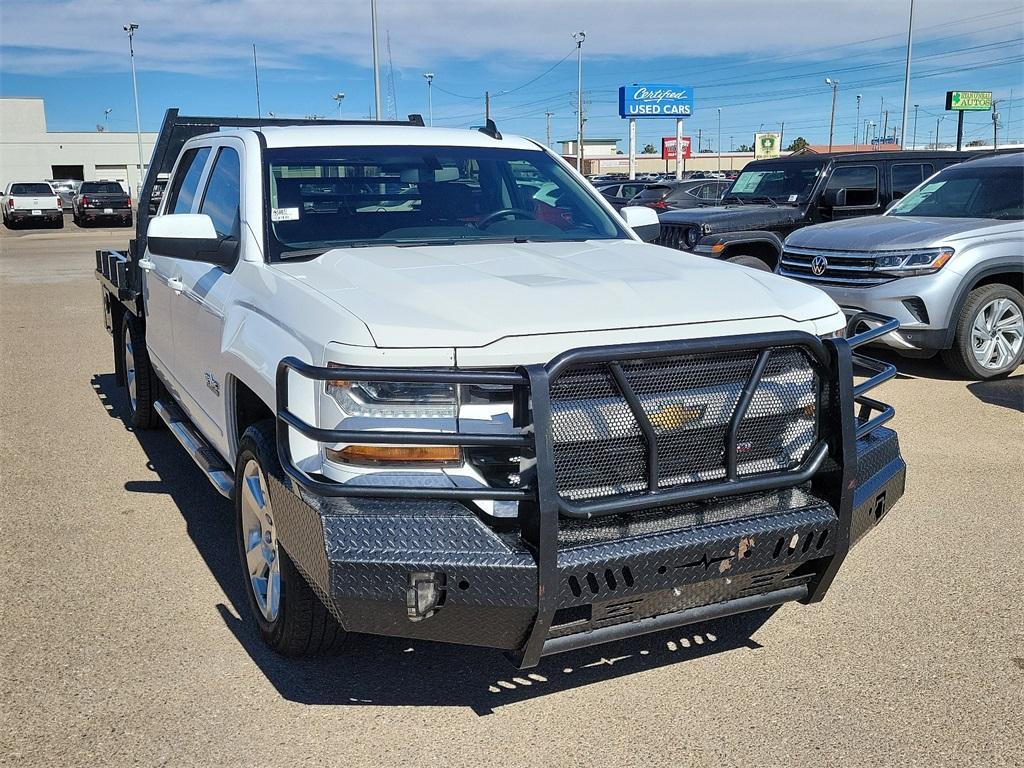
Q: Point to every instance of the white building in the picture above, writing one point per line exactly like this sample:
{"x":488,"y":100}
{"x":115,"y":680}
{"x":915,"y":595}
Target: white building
{"x":28,"y":152}
{"x":591,"y":147}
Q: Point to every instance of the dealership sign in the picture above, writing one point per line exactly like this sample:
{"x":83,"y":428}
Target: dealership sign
{"x":969,"y":101}
{"x":767,"y":145}
{"x":655,"y":100}
{"x":668,"y":148}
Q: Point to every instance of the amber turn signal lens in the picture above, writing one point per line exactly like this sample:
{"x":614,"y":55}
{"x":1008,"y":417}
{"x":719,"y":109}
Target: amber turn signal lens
{"x":394,"y":454}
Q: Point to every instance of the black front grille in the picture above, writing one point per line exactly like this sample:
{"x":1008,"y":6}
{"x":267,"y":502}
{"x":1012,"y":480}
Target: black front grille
{"x":851,"y":268}
{"x":673,"y":236}
{"x":600,"y":449}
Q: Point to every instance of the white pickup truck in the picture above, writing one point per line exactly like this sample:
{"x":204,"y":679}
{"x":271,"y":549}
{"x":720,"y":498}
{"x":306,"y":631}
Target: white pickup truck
{"x":34,"y":202}
{"x":448,"y":408}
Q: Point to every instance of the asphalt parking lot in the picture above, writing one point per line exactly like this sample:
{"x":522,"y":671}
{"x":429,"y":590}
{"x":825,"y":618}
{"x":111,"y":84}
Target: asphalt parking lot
{"x":125,"y":640}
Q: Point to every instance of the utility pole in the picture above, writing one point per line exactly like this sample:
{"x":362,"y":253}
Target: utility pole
{"x":834,"y":85}
{"x":906,"y":77}
{"x":914,"y":142}
{"x":719,"y":140}
{"x":995,"y":126}
{"x":376,"y":63}
{"x":579,"y":37}
{"x":700,"y":132}
{"x":130,"y":28}
{"x":338,"y":98}
{"x":429,"y":77}
{"x":782,"y":135}
{"x":937,"y":121}
{"x":547,"y":117}
{"x":487,"y":105}
{"x":856,"y":129}
{"x":885,"y":126}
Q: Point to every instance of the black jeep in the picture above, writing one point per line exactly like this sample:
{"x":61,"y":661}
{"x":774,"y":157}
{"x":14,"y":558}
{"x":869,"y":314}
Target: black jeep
{"x":771,"y":198}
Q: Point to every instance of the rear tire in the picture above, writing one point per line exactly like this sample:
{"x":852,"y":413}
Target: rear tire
{"x":990,"y":328}
{"x":750,"y":261}
{"x":140,"y":381}
{"x":291,"y":619}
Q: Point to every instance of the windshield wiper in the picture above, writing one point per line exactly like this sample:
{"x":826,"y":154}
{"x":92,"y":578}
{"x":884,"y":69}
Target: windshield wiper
{"x":737,"y":198}
{"x":764,"y":198}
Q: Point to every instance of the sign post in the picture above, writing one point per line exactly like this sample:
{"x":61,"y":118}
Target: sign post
{"x":679,"y":146}
{"x":632,"y":149}
{"x":966,"y":101}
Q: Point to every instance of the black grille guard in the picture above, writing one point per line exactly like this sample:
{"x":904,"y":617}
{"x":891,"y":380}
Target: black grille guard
{"x":833,"y":359}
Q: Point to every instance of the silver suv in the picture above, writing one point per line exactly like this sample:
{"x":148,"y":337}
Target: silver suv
{"x":947,"y":261}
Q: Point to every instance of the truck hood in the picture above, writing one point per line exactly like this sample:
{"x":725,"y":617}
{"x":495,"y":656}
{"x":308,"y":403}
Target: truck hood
{"x":880,"y":233}
{"x":471,"y":295}
{"x":732,"y":218}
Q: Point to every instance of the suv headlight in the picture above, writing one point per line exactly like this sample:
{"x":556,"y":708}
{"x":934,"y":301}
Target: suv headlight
{"x":692,"y":236}
{"x":910,"y":263}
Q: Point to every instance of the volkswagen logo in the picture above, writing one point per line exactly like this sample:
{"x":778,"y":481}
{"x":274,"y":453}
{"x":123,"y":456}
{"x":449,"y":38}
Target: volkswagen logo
{"x":818,"y":265}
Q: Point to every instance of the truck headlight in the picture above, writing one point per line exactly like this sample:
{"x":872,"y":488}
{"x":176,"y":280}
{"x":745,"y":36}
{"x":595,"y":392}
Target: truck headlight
{"x":395,"y":399}
{"x":910,"y":263}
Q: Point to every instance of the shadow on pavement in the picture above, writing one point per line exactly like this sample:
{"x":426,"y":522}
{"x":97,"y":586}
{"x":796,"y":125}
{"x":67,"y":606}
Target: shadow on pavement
{"x":392,"y":671}
{"x":1008,"y":393}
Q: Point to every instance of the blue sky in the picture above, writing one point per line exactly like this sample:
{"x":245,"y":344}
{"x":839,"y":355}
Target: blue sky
{"x":762,"y":63}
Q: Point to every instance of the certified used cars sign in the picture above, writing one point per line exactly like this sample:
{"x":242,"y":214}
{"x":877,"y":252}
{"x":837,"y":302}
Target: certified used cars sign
{"x":655,"y":100}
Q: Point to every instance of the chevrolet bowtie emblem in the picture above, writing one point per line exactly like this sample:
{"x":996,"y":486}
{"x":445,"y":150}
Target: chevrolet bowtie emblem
{"x":675,"y":416}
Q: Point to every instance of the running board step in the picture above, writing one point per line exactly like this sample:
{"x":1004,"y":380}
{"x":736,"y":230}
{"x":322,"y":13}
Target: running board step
{"x":207,"y":459}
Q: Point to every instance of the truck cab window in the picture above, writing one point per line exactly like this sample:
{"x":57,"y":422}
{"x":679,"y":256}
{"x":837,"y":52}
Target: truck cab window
{"x":223,"y":193}
{"x":186,"y":181}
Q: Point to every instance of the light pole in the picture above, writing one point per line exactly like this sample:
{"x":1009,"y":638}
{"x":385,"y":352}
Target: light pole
{"x":906,"y":77}
{"x":376,"y":63}
{"x":106,"y":116}
{"x":338,"y":98}
{"x":130,"y":28}
{"x":429,"y":77}
{"x":579,"y":37}
{"x":913,"y":144}
{"x":856,"y":130}
{"x":719,"y":138}
{"x":834,"y":85}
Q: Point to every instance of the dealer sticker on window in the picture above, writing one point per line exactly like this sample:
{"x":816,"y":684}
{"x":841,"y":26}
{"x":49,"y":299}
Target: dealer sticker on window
{"x":284,"y":214}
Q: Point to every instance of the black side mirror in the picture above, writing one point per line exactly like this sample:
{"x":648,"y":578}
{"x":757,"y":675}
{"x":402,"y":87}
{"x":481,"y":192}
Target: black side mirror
{"x":834,"y":198}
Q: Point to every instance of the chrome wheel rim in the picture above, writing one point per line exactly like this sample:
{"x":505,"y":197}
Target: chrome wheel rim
{"x":260,"y":541}
{"x":129,"y":369}
{"x":997,"y":334}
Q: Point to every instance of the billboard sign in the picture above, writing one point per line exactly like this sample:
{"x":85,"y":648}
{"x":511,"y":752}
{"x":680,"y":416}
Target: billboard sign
{"x":767,"y":145}
{"x":655,"y":100}
{"x":668,"y":148}
{"x":969,"y":101}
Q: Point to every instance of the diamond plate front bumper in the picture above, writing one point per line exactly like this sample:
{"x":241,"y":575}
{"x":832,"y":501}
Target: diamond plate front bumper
{"x":564,"y":576}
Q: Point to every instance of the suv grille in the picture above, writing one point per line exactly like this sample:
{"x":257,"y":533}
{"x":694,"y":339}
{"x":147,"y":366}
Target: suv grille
{"x":854,"y":268}
{"x":673,"y":236}
{"x":599,"y":447}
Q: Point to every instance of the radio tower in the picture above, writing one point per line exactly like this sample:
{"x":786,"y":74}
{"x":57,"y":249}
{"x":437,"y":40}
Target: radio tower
{"x":392,"y":105}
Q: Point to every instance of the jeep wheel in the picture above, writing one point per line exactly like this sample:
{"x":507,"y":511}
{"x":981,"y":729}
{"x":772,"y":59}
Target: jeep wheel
{"x":750,"y":261}
{"x":139,"y":378}
{"x":290,"y":617}
{"x":988,"y":342}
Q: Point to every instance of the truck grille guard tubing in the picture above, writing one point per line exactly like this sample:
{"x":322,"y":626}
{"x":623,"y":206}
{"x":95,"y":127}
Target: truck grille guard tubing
{"x":540,"y":502}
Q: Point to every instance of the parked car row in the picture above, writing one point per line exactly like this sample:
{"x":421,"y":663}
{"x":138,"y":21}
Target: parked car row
{"x":934,"y":239}
{"x":46,"y":202}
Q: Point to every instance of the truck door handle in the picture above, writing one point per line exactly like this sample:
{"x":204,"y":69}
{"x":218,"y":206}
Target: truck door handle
{"x":176,"y":285}
{"x":146,"y":265}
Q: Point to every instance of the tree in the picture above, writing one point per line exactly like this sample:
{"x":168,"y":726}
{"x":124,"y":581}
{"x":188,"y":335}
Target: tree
{"x":797,"y":144}
{"x":976,"y":143}
{"x":745,"y":148}
{"x":649,"y":149}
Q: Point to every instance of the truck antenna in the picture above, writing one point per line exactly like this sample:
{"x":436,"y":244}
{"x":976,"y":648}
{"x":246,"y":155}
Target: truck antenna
{"x":256,"y":69}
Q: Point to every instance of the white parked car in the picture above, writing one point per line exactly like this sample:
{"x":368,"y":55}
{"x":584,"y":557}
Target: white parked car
{"x":34,"y":202}
{"x":492,"y":416}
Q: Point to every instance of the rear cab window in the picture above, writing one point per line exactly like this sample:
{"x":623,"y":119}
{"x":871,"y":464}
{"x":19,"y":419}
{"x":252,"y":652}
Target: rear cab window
{"x":31,"y":189}
{"x":101,"y":188}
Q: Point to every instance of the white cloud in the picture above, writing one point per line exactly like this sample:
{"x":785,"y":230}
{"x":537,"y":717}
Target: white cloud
{"x":199,"y":36}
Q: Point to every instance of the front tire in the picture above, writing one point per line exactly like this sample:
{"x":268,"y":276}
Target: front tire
{"x":988,"y":342}
{"x":290,"y":617}
{"x":139,"y":379}
{"x":750,"y":261}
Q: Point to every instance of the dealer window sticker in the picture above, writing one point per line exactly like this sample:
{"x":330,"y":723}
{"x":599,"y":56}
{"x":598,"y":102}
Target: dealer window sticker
{"x":284,"y":214}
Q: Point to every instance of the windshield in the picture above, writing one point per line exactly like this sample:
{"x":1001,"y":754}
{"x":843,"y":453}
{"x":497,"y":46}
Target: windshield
{"x":968,"y":191}
{"x":330,"y":197}
{"x":782,"y":181}
{"x":101,"y":187}
{"x":31,"y":189}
